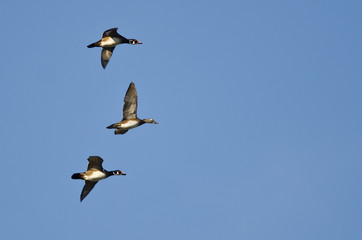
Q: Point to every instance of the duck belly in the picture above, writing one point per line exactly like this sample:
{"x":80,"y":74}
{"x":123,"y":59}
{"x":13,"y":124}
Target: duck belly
{"x":94,"y":176}
{"x":109,"y":42}
{"x":129,"y":124}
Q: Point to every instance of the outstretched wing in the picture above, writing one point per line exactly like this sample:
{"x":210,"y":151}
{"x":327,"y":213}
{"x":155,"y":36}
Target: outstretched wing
{"x":106,"y":55}
{"x":95,"y":162}
{"x":88,"y":186}
{"x":113,"y":33}
{"x":130,"y":103}
{"x":110,"y":33}
{"x":120,"y":131}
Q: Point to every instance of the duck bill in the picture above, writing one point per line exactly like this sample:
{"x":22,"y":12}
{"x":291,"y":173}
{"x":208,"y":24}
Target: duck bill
{"x":122,"y":173}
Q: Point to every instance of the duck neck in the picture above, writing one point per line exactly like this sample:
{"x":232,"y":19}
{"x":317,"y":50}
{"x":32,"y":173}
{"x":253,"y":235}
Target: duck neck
{"x":110,"y":173}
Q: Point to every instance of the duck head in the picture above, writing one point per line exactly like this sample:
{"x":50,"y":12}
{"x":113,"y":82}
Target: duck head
{"x":118,"y":172}
{"x":150,"y":120}
{"x":134,"y":41}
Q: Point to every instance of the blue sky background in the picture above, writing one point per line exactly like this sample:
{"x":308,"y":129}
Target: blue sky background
{"x":259,"y":105}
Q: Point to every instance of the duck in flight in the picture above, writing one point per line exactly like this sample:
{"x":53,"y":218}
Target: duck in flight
{"x":130,"y":119}
{"x":95,"y":172}
{"x":109,"y":41}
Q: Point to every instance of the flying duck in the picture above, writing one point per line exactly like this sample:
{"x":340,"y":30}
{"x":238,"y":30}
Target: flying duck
{"x":130,"y":119}
{"x":109,"y":41}
{"x":95,"y":172}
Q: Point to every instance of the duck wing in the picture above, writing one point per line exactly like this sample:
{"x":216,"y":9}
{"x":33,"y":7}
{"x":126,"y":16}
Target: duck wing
{"x":110,"y":33}
{"x":88,"y":186}
{"x":113,"y":33}
{"x":130,"y":103}
{"x":95,"y":162}
{"x":106,"y":55}
{"x":120,"y":131}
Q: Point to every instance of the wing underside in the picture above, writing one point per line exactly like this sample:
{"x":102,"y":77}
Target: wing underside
{"x":95,"y":162}
{"x":88,"y":186}
{"x":130,"y":103}
{"x":106,"y":55}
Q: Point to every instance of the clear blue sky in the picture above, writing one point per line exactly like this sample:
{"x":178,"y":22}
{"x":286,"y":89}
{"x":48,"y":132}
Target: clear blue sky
{"x":259,"y":105}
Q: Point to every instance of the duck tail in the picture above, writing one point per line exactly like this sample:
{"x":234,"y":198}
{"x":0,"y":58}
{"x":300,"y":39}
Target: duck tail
{"x":112,"y":126}
{"x":96,"y":44}
{"x":77,"y":176}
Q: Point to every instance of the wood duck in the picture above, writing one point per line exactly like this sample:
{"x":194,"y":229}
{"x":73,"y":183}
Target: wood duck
{"x":95,"y":172}
{"x":109,"y":41}
{"x":130,"y":119}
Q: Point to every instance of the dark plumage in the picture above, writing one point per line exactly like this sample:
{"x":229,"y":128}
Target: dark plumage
{"x":95,"y":172}
{"x":110,"y":39}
